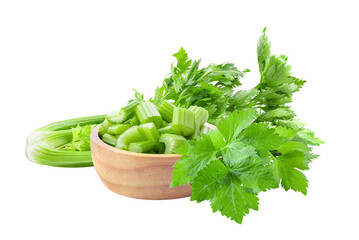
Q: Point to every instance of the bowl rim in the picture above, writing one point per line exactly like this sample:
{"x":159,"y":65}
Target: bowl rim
{"x":95,"y":138}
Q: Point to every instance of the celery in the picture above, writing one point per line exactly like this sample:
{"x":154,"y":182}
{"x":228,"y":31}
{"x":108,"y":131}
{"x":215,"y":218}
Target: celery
{"x":201,"y":114}
{"x":103,"y":128}
{"x":166,"y":110}
{"x":166,"y":129}
{"x":109,"y":139}
{"x":183,"y":122}
{"x":149,"y":132}
{"x":135,"y":121}
{"x":172,"y":142}
{"x":44,"y":144}
{"x":142,"y":147}
{"x":147,"y":112}
{"x":129,"y":136}
{"x":118,"y":129}
{"x":123,"y":114}
{"x":197,"y":131}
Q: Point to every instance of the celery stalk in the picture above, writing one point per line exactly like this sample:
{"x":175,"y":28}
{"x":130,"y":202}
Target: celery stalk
{"x":149,"y":132}
{"x":166,"y":110}
{"x":142,"y":147}
{"x":197,"y":131}
{"x":147,"y":112}
{"x":103,"y":128}
{"x":43,"y":145}
{"x":109,"y":139}
{"x":172,"y":142}
{"x":183,"y":122}
{"x":123,"y":114}
{"x":135,"y":121}
{"x":201,"y":114}
{"x":129,"y":136}
{"x":118,"y":129}
{"x":166,"y":129}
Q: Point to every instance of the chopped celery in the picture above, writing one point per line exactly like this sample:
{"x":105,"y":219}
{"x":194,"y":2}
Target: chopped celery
{"x":118,"y":129}
{"x":166,"y":110}
{"x":103,"y":128}
{"x":197,"y":131}
{"x":183,"y":122}
{"x":147,"y":112}
{"x":201,"y":114}
{"x":129,"y":136}
{"x":172,"y":142}
{"x":123,"y":114}
{"x":109,"y":139}
{"x":135,"y":121}
{"x":142,"y":147}
{"x":166,"y":129}
{"x":149,"y":132}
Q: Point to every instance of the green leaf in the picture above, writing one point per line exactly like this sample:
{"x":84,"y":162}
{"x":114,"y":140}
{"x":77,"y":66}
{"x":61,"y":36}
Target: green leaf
{"x":248,"y":167}
{"x":262,"y":136}
{"x":231,"y":126}
{"x":263,"y":51}
{"x":194,"y":156}
{"x":285,"y":169}
{"x":233,"y":201}
{"x":208,"y":181}
{"x":183,"y":63}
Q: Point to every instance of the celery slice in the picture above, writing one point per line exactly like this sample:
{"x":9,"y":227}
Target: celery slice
{"x":149,"y":132}
{"x":201,"y":114}
{"x":147,"y":112}
{"x":142,"y":147}
{"x":118,"y":129}
{"x":166,"y":110}
{"x":123,"y":114}
{"x":183,"y":122}
{"x":135,"y":121}
{"x":109,"y":139}
{"x":166,"y":129}
{"x":103,"y":128}
{"x":129,"y":136}
{"x":172,"y":142}
{"x":197,"y":131}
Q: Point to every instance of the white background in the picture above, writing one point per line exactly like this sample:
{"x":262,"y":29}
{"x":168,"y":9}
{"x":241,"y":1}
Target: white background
{"x":65,"y":59}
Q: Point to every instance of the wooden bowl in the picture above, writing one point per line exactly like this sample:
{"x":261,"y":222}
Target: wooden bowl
{"x":136,"y":175}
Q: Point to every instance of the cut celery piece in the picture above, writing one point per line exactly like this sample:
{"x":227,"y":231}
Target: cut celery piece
{"x":149,"y":132}
{"x":129,"y":136}
{"x":142,"y":147}
{"x":118,"y":129}
{"x":123,"y":114}
{"x":201,"y":114}
{"x":172,"y":142}
{"x":109,"y":139}
{"x":183,"y":122}
{"x":166,"y":110}
{"x":135,"y":121}
{"x":103,"y":128}
{"x":166,"y":129}
{"x":147,"y":112}
{"x":197,"y":131}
